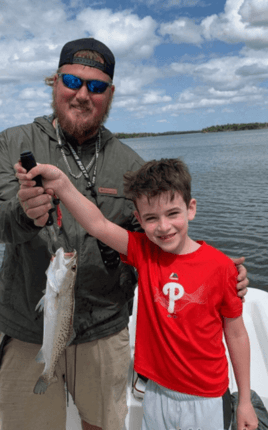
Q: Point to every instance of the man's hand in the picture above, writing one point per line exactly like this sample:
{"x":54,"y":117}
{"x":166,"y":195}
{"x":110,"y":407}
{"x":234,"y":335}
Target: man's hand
{"x":33,"y":200}
{"x":242,"y":277}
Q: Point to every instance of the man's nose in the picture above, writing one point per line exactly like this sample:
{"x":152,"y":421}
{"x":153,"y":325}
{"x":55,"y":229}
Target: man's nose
{"x":83,"y":93}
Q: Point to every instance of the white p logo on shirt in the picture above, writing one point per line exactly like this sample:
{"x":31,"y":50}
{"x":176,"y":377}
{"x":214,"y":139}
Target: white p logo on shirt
{"x":170,"y":289}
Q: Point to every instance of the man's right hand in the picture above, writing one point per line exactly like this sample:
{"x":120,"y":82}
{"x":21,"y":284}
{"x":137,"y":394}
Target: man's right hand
{"x":35,"y":204}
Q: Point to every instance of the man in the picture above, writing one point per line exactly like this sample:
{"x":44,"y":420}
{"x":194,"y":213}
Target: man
{"x":95,"y":366}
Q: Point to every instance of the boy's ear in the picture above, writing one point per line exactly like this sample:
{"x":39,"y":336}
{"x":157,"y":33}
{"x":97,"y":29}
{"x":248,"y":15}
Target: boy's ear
{"x":191,"y":209}
{"x":137,"y":215}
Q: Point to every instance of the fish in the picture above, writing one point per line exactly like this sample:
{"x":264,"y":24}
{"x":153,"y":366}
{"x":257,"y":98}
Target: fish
{"x":58,"y":305}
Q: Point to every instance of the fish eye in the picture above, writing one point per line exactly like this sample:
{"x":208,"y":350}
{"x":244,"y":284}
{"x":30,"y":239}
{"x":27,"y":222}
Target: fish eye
{"x":74,"y":268}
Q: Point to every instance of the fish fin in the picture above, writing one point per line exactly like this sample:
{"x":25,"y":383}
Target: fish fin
{"x":41,"y":304}
{"x":40,"y":357}
{"x":72,"y":337}
{"x":40,"y":386}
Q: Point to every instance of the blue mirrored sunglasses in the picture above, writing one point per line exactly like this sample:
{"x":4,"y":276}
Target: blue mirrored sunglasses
{"x":75,"y":83}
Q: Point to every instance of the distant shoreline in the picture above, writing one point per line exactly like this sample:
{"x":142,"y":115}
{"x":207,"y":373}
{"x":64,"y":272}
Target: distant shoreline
{"x":137,"y":135}
{"x":212,"y":129}
{"x":235,"y":127}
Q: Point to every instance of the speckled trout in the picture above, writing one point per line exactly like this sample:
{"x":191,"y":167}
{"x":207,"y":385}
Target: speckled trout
{"x":58,"y":305}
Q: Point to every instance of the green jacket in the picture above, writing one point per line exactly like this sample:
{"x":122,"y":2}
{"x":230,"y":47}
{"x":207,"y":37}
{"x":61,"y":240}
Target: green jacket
{"x":102,"y":295}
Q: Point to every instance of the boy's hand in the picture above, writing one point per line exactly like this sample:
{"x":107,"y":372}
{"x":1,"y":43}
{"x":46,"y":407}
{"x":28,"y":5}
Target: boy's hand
{"x":34,"y":202}
{"x":53,"y":179}
{"x":242,"y":279}
{"x":246,"y":417}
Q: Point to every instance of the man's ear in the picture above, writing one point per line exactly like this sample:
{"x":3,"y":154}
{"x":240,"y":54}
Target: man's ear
{"x":55,"y":80}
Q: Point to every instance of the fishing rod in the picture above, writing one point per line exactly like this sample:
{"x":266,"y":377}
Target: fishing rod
{"x":28,"y":162}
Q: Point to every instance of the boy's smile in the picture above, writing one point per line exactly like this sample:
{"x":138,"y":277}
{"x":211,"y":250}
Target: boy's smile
{"x":165,"y":222}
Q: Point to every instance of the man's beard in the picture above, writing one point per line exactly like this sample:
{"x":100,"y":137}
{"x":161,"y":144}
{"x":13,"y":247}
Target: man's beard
{"x":80,"y":130}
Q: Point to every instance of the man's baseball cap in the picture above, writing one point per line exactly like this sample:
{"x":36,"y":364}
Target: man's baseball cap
{"x":71,"y":48}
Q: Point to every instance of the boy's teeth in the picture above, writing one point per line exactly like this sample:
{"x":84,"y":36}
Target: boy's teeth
{"x":167,"y":236}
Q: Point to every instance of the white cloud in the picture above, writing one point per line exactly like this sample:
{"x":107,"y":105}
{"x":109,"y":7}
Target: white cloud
{"x":127,"y":35}
{"x":21,"y":106}
{"x":168,"y":4}
{"x":125,"y":103}
{"x":227,"y":73}
{"x":33,"y":93}
{"x":254,"y":12}
{"x":237,"y":23}
{"x":222,"y":81}
{"x":138,"y":105}
{"x":32,"y":34}
{"x":183,"y":30}
{"x":208,"y":97}
{"x":155,"y":97}
{"x":243,"y":21}
{"x":131,"y":79}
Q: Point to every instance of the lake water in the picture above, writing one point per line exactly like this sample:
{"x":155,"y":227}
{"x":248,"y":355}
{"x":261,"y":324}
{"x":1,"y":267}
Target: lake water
{"x":230,"y":183}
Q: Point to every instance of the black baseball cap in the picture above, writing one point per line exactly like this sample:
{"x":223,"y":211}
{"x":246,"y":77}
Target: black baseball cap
{"x":71,"y":48}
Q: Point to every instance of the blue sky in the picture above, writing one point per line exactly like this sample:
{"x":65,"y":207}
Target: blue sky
{"x":180,"y":64}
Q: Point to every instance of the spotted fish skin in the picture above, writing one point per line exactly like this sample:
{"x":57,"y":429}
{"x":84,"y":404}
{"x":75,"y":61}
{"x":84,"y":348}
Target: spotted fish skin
{"x":58,"y":305}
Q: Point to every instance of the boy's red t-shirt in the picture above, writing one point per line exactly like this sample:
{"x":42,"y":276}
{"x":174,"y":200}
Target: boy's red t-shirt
{"x":181,"y":302}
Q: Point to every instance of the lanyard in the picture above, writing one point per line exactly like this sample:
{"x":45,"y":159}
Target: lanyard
{"x":110,"y":257}
{"x":90,"y":184}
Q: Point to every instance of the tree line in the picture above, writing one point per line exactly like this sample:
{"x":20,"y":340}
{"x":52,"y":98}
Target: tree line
{"x":235,"y":127}
{"x":212,"y":129}
{"x":137,"y":135}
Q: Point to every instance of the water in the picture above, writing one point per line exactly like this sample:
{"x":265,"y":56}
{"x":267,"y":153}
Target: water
{"x":230,"y":183}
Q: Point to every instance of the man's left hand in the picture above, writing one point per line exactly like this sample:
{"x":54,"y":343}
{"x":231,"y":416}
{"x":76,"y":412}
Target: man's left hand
{"x":242,"y":277}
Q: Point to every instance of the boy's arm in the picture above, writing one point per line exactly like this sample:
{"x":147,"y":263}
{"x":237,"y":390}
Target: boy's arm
{"x":84,"y":211}
{"x":92,"y":220}
{"x":239,"y":349}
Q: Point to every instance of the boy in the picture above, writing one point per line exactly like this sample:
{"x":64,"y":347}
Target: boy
{"x":187,"y":299}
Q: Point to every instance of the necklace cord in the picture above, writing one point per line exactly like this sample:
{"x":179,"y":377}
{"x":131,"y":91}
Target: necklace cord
{"x":84,"y":170}
{"x":110,"y":257}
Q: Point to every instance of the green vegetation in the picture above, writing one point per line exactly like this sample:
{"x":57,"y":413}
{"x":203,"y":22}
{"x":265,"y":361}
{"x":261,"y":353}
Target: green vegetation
{"x":212,"y":129}
{"x":136,"y":135}
{"x":235,"y":127}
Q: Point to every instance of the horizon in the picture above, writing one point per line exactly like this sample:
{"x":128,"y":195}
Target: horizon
{"x":265,"y":124}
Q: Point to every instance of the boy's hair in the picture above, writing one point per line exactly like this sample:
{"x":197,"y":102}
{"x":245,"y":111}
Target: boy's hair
{"x":158,"y":176}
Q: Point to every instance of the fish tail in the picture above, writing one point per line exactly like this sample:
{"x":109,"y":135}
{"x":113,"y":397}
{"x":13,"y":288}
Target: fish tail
{"x":40,"y":386}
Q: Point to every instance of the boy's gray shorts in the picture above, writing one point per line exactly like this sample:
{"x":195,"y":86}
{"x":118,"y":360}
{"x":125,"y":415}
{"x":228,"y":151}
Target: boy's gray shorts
{"x":165,"y":409}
